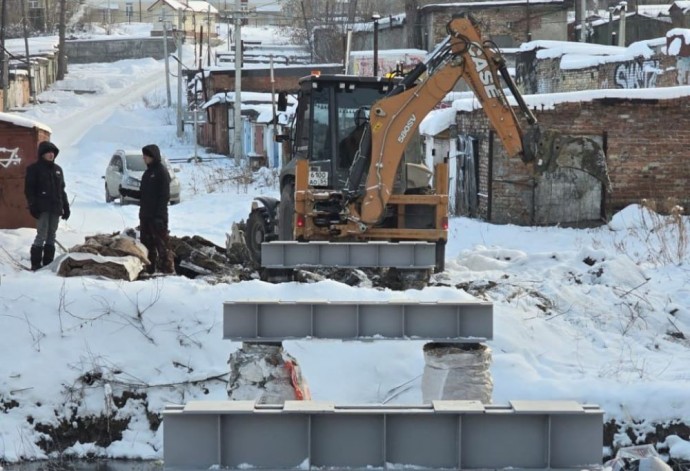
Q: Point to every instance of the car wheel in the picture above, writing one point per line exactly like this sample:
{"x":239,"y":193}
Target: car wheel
{"x":108,"y":198}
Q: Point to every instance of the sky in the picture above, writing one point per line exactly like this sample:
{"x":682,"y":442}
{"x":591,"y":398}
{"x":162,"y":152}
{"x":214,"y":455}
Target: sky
{"x":598,"y":316}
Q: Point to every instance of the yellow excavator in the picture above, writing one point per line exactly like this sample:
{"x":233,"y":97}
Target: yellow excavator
{"x":352,"y":174}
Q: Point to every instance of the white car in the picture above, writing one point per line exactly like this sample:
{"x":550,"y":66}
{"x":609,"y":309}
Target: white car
{"x":125,"y":169}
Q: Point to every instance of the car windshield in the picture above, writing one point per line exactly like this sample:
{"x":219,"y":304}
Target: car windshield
{"x":136,"y":163}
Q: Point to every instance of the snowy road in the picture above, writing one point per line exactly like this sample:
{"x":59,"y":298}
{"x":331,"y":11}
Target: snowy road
{"x":73,"y":126}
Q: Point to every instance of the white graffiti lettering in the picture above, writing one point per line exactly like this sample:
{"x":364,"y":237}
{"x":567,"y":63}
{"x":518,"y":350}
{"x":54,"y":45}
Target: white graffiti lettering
{"x":683,"y":66}
{"x":637,"y":75}
{"x":485,"y":76}
{"x":9,"y":157}
{"x":407,"y":128}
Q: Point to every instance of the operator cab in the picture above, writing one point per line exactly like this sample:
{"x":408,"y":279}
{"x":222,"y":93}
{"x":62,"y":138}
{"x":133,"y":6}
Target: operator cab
{"x":331,"y":115}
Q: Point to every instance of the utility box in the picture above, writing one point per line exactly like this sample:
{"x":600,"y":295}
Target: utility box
{"x":19,"y":138}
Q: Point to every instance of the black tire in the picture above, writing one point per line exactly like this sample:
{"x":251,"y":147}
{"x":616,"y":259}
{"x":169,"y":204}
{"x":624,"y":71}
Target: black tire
{"x":440,"y":256}
{"x":286,"y":212}
{"x":108,"y":198}
{"x":255,"y":234}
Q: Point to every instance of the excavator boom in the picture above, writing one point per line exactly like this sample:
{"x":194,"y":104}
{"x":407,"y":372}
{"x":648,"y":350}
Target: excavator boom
{"x":395,"y":118}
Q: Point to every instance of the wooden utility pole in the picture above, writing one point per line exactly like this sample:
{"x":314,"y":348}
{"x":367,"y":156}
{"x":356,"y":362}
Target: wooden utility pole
{"x":32,"y":92}
{"x":167,"y":58}
{"x":62,"y":54}
{"x":306,"y":28}
{"x":208,"y":37}
{"x":237,"y":121}
{"x":3,"y":57}
{"x":411,"y":16}
{"x":180,"y":32}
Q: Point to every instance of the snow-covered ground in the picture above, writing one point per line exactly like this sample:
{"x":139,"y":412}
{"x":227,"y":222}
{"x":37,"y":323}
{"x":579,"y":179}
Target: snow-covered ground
{"x":593,"y":315}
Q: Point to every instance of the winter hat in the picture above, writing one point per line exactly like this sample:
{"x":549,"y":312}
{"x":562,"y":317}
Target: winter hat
{"x":152,"y":151}
{"x":46,"y":146}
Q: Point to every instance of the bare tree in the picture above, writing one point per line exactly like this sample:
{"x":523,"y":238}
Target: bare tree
{"x":324,"y":23}
{"x":413,"y":39}
{"x":62,"y":56}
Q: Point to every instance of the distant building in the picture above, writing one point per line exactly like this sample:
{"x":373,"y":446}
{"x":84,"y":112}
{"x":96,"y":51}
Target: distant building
{"x":192,"y":15}
{"x":680,"y":14}
{"x":116,"y":11}
{"x":643,"y":23}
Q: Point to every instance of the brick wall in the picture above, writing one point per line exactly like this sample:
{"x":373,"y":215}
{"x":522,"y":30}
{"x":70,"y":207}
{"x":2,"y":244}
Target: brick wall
{"x":647,"y":144}
{"x":506,"y":24}
{"x":535,"y":76}
{"x":259,"y":80}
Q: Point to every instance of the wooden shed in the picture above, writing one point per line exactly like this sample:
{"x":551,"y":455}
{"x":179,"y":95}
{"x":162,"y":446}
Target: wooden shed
{"x":19,"y":138}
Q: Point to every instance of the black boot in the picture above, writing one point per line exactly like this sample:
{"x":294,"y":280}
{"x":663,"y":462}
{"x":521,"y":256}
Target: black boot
{"x":48,"y":254}
{"x":36,"y":255}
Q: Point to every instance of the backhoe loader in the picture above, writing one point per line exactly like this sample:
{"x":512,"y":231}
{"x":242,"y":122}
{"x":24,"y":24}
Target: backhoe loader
{"x":351,"y":175}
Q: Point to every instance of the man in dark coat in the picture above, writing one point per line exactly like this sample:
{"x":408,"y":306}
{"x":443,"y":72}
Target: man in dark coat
{"x":44,"y":187}
{"x":154,"y":196}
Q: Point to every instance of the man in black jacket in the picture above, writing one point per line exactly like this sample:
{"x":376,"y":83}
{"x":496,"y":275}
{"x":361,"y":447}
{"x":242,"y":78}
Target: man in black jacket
{"x":154,"y":196}
{"x":44,"y":187}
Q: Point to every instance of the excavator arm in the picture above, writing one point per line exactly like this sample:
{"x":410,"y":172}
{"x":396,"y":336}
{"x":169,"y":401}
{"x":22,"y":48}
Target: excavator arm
{"x":395,"y":118}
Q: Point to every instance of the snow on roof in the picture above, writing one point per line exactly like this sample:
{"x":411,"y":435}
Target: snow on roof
{"x":194,"y":5}
{"x":266,"y":115}
{"x":489,"y":4}
{"x":683,"y":5}
{"x":575,"y":55}
{"x":549,"y":49}
{"x":265,"y":66}
{"x":276,"y":8}
{"x":653,"y":11}
{"x":23,"y":122}
{"x":254,"y":97}
{"x":201,"y":5}
{"x":384,"y":22}
{"x":106,"y":6}
{"x":390,"y":52}
{"x":684,"y":32}
{"x":676,"y":45}
{"x":439,"y":120}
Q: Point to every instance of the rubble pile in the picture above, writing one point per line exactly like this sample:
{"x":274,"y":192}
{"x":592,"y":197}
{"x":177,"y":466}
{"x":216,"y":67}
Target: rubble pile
{"x":197,"y":257}
{"x":117,"y":256}
{"x":122,"y":256}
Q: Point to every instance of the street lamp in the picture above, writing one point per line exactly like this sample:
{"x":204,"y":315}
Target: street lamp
{"x":376,"y":17}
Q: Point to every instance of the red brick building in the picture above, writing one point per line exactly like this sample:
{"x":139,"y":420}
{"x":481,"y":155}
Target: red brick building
{"x":19,"y":138}
{"x":645,"y":154}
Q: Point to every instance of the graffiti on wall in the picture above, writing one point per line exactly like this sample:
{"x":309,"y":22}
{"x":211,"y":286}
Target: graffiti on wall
{"x":526,"y":74}
{"x":683,"y":67}
{"x":637,"y":74}
{"x":362,"y":64}
{"x":9,"y":157}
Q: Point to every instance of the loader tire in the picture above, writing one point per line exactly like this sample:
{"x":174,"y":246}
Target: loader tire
{"x":440,"y":256}
{"x":286,"y":213}
{"x":255,"y":234}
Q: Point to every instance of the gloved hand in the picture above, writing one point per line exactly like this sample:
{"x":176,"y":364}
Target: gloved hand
{"x":66,"y":213}
{"x":35,"y":213}
{"x":158,"y":225}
